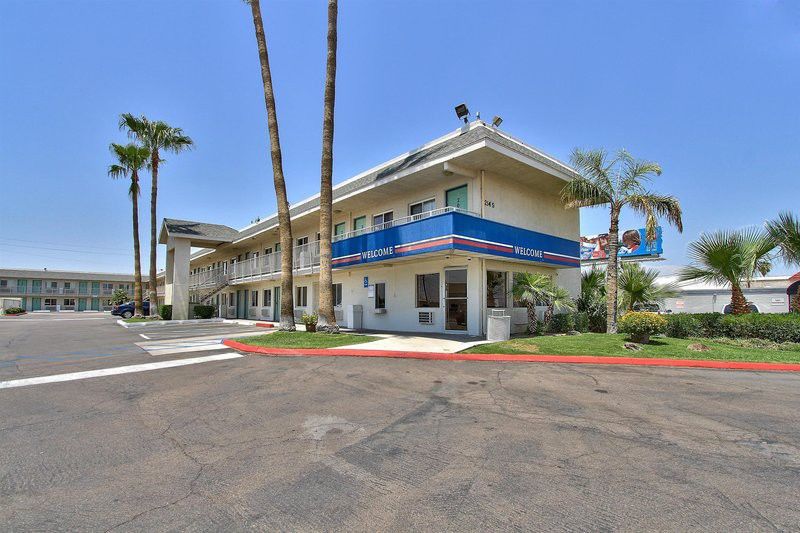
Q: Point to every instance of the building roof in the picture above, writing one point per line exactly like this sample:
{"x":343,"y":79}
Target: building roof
{"x":68,"y":275}
{"x":766,"y":282}
{"x":471,"y":134}
{"x":196,"y":231}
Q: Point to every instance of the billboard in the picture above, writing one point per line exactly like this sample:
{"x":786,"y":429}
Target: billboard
{"x":633,"y":244}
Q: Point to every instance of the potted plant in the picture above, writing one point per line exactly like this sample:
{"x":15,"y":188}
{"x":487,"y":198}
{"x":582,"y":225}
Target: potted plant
{"x":310,"y":322}
{"x":641,"y":325}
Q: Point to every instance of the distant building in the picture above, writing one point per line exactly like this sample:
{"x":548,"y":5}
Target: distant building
{"x":771,"y":294}
{"x":61,"y":290}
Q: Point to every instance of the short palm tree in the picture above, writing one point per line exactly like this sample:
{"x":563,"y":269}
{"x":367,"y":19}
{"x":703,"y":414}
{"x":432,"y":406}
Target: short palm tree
{"x":532,"y":290}
{"x":559,"y":299}
{"x":157,"y":137}
{"x":618,"y":182}
{"x":637,"y":285}
{"x":284,"y":221}
{"x":730,"y":257}
{"x":785,"y":231}
{"x":131,"y":159}
{"x":592,"y":299}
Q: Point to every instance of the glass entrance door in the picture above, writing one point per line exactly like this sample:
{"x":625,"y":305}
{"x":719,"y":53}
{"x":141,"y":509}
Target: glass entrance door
{"x":455,"y":298}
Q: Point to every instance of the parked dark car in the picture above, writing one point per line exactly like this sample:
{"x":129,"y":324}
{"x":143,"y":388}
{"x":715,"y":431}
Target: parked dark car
{"x":728,"y":309}
{"x":126,"y":310}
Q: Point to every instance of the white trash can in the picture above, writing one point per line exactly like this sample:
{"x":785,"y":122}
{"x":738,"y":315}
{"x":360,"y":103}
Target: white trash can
{"x":498,"y":326}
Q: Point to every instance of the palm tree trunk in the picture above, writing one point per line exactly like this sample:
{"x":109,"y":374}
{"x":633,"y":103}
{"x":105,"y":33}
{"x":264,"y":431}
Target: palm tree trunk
{"x":612,"y":272}
{"x":326,"y":313}
{"x":548,"y":316}
{"x":153,"y":229}
{"x":738,"y":301}
{"x":284,"y":221}
{"x":531,"y":317}
{"x":137,"y":266}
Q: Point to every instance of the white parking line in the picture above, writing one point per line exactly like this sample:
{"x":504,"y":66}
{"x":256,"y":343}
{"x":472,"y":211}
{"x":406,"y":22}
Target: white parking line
{"x":116,"y":371}
{"x":142,"y":335}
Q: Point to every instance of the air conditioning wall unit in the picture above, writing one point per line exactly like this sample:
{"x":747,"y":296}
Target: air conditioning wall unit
{"x":380,"y":311}
{"x":426,"y":317}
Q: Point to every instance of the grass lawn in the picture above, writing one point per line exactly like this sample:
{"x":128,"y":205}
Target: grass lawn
{"x":601,"y":344}
{"x":132,"y":320}
{"x":304,"y":339}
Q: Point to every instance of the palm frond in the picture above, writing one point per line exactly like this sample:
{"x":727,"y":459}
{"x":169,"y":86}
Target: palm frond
{"x":581,"y":192}
{"x":654,"y":207}
{"x":728,"y":256}
{"x":785,"y":231}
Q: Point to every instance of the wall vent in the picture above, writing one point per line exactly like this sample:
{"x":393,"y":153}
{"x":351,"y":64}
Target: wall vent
{"x":426,"y":317}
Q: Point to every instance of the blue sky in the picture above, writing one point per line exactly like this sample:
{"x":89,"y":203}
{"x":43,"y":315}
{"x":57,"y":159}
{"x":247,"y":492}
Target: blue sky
{"x":708,"y":89}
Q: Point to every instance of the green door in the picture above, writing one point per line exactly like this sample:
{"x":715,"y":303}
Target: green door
{"x":23,"y":302}
{"x":22,"y":286}
{"x":36,"y":304}
{"x":276,"y":304}
{"x":83,"y":288}
{"x":457,"y":198}
{"x":95,"y":289}
{"x":95,"y":303}
{"x":81,"y":304}
{"x":36,"y":286}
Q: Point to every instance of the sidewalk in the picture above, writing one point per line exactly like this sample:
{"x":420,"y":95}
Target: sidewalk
{"x":417,"y":343}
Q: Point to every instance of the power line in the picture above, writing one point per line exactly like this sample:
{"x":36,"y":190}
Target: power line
{"x":63,"y":244}
{"x":65,"y":250}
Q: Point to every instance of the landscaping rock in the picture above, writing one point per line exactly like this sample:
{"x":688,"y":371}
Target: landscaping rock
{"x":574,"y":332}
{"x":698,"y":347}
{"x":632,"y":346}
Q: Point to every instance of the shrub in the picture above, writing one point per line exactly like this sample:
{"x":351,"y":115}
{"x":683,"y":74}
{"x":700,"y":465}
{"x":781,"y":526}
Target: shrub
{"x":14,"y":311}
{"x":204,"y":311}
{"x":561,"y":323}
{"x":597,"y":323}
{"x":683,"y":326}
{"x":165,"y":311}
{"x":582,"y":321}
{"x":640,"y":325}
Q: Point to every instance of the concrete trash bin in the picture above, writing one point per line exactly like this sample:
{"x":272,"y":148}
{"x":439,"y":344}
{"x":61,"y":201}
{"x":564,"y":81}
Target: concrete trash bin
{"x":498,"y":327}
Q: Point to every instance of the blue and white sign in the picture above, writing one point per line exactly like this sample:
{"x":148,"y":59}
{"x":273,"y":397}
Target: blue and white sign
{"x":366,"y":281}
{"x":456,"y":231}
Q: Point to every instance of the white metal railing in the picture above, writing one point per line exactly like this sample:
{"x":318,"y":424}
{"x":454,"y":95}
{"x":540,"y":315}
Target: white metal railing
{"x":53,"y":291}
{"x":303,"y":257}
{"x":401,"y":221}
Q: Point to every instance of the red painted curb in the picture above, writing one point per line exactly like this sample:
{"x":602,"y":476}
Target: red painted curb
{"x":264,"y":325}
{"x":574,"y":359}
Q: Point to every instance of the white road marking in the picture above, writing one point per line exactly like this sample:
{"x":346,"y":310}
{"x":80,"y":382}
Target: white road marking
{"x":182,"y":347}
{"x":118,"y":370}
{"x":142,"y":335}
{"x":26,"y":320}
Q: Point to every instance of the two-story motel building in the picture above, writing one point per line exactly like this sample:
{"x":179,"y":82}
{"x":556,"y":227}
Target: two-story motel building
{"x":427,"y":242}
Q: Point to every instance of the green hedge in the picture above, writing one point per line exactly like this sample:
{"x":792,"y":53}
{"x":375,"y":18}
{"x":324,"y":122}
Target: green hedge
{"x":14,"y":311}
{"x":204,"y":311}
{"x":566,"y":322}
{"x":165,"y":311}
{"x":772,"y":327}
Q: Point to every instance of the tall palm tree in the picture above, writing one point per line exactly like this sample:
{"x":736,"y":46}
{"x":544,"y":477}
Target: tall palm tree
{"x":730,"y":257}
{"x":326,"y":312}
{"x":158,"y":137}
{"x":637,"y":285}
{"x":532,"y":290}
{"x":284,"y":221}
{"x":618,"y":182}
{"x":131,"y":159}
{"x":785,"y":231}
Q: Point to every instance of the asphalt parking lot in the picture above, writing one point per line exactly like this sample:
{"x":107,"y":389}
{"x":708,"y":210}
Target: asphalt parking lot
{"x":264,"y":443}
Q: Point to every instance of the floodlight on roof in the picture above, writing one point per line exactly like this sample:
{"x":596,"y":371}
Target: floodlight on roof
{"x":462,"y":112}
{"x":496,"y":121}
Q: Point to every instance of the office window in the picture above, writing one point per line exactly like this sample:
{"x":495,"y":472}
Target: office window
{"x":69,"y":301}
{"x":254,"y":298}
{"x":359,"y":223}
{"x":302,"y":240}
{"x":277,"y":247}
{"x":428,"y":290}
{"x":50,"y":302}
{"x":267,"y":297}
{"x":67,"y":284}
{"x":302,"y":297}
{"x":380,"y":296}
{"x":340,"y":229}
{"x":496,"y":289}
{"x":106,"y":286}
{"x":384,"y":219}
{"x":337,"y":294}
{"x":3,"y":283}
{"x":422,"y":207}
{"x":53,"y":284}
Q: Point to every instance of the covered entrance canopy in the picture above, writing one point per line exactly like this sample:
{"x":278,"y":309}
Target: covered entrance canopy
{"x":180,"y":236}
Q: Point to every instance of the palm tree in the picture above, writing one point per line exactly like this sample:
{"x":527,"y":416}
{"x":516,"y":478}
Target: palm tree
{"x":730,"y":257}
{"x":638,"y":285}
{"x":131,"y":159}
{"x":532,"y":290}
{"x":156,"y":136}
{"x":785,"y":231}
{"x":618,"y":182}
{"x":284,"y":221}
{"x":326,"y":312}
{"x":559,"y":299}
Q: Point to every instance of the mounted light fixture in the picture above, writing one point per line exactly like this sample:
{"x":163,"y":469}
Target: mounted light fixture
{"x":462,"y":112}
{"x":496,"y":121}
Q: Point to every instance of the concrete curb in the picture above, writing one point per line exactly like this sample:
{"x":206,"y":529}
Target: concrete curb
{"x":564,"y":359}
{"x":124,"y":324}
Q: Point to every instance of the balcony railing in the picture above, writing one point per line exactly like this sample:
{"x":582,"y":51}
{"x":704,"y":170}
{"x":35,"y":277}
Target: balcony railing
{"x":401,"y":221}
{"x":54,"y":291}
